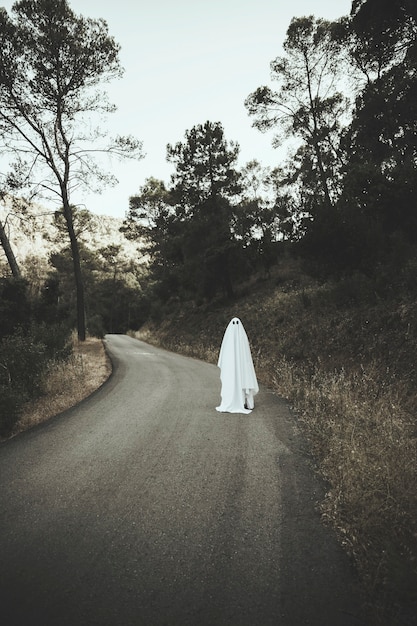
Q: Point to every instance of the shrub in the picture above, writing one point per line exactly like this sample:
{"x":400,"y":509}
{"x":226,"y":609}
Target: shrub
{"x":363,"y":441}
{"x":12,"y":400}
{"x":343,"y":352}
{"x":14,"y":305}
{"x":96,"y":326}
{"x":56,"y":339}
{"x":23,"y":361}
{"x":24,"y":358}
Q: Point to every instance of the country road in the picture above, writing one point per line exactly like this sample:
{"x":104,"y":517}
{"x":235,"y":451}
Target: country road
{"x":145,"y":506}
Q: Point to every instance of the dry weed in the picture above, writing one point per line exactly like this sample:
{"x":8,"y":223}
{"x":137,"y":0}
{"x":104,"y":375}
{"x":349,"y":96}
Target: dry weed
{"x":367,"y":452}
{"x":347,"y":364}
{"x":67,"y":383}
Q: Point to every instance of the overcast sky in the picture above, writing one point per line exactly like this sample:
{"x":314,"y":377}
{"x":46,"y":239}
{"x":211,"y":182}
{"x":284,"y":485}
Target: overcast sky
{"x":186,"y":62}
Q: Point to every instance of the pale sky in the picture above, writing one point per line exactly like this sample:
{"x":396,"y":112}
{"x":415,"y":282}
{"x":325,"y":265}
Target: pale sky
{"x":186,"y":62}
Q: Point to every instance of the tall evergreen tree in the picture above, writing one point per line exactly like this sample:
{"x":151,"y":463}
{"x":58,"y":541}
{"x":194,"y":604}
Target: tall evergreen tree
{"x":380,"y":190}
{"x":152,"y":219}
{"x":308,"y":106}
{"x":204,"y":184}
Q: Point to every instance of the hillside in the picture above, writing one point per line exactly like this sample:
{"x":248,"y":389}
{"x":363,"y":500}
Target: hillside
{"x":35,"y":234}
{"x":344,"y":355}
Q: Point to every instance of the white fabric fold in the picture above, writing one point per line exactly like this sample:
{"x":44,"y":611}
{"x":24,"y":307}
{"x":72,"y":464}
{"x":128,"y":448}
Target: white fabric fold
{"x":237,"y":373}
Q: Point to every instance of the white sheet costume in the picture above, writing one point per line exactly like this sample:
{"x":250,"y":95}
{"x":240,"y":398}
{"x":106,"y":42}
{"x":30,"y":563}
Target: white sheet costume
{"x":237,"y":374}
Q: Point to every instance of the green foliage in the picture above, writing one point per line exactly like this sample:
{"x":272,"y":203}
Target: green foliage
{"x":213,"y":225}
{"x":113,"y":296}
{"x":376,"y":210}
{"x":352,"y":179}
{"x":10,"y":405}
{"x":190,"y":229}
{"x":54,"y":337}
{"x":205,"y":166}
{"x":96,"y":326}
{"x":261,"y":218}
{"x":24,"y":358}
{"x":343,"y":353}
{"x":52,"y":63}
{"x":204,"y":183}
{"x":152,"y":217}
{"x":384,"y":32}
{"x":51,"y":307}
{"x":115,"y":307}
{"x":338,"y":243}
{"x":15,"y":307}
{"x":307,"y":104}
{"x":27,"y":344}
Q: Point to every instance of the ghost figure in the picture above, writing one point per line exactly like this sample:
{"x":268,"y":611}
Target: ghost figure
{"x":237,"y":374}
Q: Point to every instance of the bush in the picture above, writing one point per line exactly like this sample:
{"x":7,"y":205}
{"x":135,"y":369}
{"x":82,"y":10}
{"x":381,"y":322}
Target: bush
{"x":55,"y":337}
{"x":24,"y":358}
{"x":96,"y":327}
{"x":12,"y":400}
{"x":344,"y":355}
{"x":23,"y":361}
{"x":15,"y":307}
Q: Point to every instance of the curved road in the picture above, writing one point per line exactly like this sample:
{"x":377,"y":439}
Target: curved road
{"x":144,"y":506}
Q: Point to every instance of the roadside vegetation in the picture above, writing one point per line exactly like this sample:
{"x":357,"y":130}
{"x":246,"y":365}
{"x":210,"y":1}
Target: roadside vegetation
{"x":343,"y":354}
{"x":318,"y":255}
{"x":44,"y":368}
{"x":67,"y":382}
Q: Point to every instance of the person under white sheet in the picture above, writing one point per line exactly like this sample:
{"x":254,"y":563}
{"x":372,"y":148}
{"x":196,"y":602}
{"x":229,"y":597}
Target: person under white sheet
{"x":237,"y":374}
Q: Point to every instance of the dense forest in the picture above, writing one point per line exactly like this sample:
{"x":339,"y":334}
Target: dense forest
{"x":342,"y":207}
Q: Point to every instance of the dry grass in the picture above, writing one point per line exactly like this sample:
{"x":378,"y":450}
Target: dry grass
{"x":365,"y":445}
{"x":346,"y":362}
{"x":67,"y":383}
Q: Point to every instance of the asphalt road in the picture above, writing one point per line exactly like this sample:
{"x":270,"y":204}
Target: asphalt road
{"x":145,"y":506}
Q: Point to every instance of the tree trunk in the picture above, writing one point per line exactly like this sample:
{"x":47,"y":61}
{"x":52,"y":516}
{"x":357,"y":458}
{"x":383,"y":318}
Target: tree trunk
{"x":79,"y":283}
{"x":4,"y":240}
{"x":323,"y":176}
{"x":315,"y":133}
